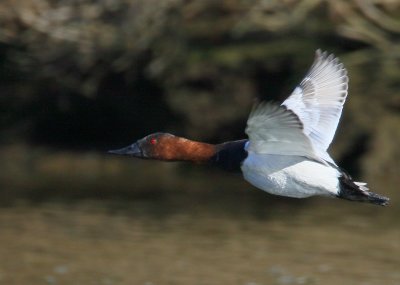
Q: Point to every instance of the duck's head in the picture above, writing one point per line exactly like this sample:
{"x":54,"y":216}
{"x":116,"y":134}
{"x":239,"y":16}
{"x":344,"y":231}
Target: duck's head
{"x":153,"y":146}
{"x":165,"y":146}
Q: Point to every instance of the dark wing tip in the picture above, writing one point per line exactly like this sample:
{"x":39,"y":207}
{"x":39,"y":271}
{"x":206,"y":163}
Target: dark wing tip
{"x":357,"y":191}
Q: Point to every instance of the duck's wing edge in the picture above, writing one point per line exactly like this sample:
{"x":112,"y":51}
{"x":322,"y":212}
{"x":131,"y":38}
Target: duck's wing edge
{"x":318,"y":100}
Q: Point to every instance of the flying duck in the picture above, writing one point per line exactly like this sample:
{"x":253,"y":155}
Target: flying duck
{"x":286,"y":150}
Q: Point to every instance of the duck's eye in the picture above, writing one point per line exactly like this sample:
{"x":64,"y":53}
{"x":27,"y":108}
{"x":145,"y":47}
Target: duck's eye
{"x":153,"y":141}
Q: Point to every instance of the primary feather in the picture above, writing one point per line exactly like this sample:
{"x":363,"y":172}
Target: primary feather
{"x":318,"y":100}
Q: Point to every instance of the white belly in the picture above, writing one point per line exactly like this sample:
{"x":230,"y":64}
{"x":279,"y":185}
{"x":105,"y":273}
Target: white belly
{"x":291,"y":176}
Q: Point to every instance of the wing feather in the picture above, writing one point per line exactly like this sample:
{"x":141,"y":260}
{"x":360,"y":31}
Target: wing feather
{"x":273,"y":129}
{"x":318,"y":100}
{"x":306,"y":122}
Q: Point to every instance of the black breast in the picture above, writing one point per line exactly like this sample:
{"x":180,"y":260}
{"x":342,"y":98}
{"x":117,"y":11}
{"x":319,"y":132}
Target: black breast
{"x":230,"y":155}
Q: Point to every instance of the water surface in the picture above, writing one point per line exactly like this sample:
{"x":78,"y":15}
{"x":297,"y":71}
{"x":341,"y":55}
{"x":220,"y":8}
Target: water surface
{"x":193,"y":238}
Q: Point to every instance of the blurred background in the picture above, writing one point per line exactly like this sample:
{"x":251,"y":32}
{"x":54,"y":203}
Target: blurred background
{"x":79,"y":77}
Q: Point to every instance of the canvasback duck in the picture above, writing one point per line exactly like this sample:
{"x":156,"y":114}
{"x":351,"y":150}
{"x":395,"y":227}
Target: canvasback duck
{"x":286,"y":150}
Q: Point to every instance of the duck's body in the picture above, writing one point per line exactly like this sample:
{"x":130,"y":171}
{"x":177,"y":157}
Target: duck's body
{"x":286,"y":153}
{"x":291,"y":176}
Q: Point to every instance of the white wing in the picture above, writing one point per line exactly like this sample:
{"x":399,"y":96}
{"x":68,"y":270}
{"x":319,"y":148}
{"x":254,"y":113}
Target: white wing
{"x":319,"y":99}
{"x":273,"y":129}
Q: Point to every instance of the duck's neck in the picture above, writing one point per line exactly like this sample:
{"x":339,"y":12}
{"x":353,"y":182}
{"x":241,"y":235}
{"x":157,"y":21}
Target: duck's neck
{"x":228,"y":155}
{"x":181,"y":149}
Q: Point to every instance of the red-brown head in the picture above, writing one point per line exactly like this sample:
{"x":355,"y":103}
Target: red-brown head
{"x":164,"y":146}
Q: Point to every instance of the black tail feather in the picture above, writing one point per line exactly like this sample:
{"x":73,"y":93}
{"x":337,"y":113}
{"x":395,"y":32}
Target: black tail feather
{"x":357,"y":191}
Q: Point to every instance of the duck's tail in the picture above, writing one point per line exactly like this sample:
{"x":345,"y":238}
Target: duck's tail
{"x":358,"y":191}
